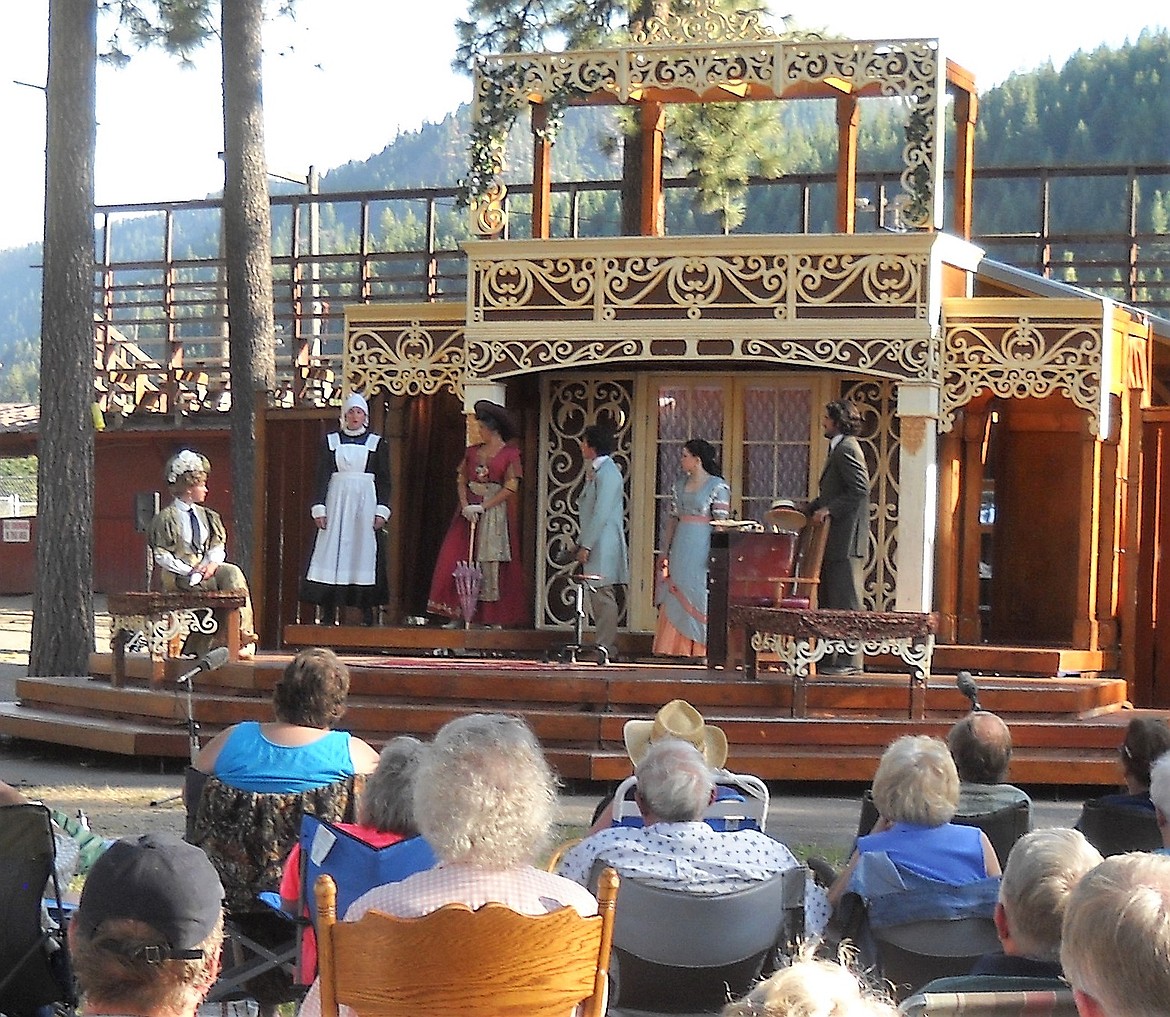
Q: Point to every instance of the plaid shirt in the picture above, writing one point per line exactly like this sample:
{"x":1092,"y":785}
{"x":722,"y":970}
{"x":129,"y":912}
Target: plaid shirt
{"x":527,"y":890}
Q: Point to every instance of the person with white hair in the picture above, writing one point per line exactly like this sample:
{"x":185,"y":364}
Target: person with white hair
{"x":1115,"y":941}
{"x":675,"y":848}
{"x":351,"y":509}
{"x":812,"y":988}
{"x":485,"y":800}
{"x":1041,"y":872}
{"x":1160,"y":796}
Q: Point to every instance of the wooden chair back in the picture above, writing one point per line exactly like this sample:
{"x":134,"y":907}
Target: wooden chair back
{"x":806,"y":573}
{"x":484,"y":963}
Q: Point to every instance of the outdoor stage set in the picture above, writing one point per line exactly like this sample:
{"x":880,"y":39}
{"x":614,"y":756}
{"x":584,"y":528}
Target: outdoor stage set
{"x":1007,"y":426}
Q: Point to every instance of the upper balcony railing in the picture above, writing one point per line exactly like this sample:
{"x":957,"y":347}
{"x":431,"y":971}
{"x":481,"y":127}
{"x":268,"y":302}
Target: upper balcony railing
{"x":160,"y":293}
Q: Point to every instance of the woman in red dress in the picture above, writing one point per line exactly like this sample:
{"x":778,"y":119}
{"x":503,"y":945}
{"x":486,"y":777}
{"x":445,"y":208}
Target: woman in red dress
{"x":488,"y":483}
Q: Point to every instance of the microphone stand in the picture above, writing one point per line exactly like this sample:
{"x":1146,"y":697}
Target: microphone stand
{"x":215,"y":659}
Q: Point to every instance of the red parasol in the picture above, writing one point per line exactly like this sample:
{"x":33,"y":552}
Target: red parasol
{"x":468,"y":576}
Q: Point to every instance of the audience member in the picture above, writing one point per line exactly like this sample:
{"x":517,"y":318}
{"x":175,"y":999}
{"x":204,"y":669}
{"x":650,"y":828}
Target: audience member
{"x":916,"y":793}
{"x":677,"y":719}
{"x":147,"y":935}
{"x":676,"y":848}
{"x":1146,"y":738}
{"x":981,"y":746}
{"x":1115,"y":945}
{"x":1160,"y":796}
{"x":1038,"y":880}
{"x":300,"y":750}
{"x":385,"y":816}
{"x":812,"y":988}
{"x":485,"y":799}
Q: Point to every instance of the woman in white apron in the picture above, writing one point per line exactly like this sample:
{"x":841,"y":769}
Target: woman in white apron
{"x":348,"y":566}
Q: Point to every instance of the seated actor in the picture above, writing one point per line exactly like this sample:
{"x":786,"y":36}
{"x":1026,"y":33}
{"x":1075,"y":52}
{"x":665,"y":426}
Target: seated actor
{"x":147,"y":935}
{"x":676,"y":848}
{"x":188,"y":543}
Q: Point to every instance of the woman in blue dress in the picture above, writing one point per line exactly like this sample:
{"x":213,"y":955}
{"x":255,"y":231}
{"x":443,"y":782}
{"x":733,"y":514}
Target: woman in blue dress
{"x":699,"y":496}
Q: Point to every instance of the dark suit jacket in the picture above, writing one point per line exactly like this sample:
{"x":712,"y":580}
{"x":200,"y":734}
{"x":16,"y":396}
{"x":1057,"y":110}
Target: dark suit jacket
{"x":844,"y":491}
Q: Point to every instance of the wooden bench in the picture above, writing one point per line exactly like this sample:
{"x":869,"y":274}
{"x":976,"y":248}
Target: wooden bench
{"x":801,"y":637}
{"x":165,"y":619}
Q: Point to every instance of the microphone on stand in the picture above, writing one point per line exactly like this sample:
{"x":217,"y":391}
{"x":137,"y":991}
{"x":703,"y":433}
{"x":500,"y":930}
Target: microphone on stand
{"x":210,"y":661}
{"x":969,"y":689}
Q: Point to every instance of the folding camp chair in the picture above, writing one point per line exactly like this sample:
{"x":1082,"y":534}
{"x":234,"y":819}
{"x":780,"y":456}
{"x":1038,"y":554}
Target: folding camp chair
{"x":248,"y":835}
{"x":741,"y":803}
{"x":355,"y":867}
{"x":34,"y":962}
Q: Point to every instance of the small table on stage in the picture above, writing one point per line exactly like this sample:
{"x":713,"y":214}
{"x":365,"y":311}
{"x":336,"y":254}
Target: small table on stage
{"x":801,"y":637}
{"x":164,"y":619}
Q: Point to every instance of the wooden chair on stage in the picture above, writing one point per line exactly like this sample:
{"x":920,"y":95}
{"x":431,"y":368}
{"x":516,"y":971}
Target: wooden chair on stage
{"x":478,"y":963}
{"x":801,"y":590}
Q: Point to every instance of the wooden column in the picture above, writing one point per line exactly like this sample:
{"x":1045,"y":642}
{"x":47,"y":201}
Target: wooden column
{"x":848,"y":117}
{"x":541,"y":173}
{"x":1085,"y":633}
{"x":950,"y":489}
{"x":970,"y":629}
{"x":918,"y":496}
{"x":652,"y":211}
{"x":966,"y":114}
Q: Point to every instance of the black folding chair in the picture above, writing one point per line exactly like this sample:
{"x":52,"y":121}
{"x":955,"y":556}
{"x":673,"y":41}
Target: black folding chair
{"x":34,"y":962}
{"x":248,"y":835}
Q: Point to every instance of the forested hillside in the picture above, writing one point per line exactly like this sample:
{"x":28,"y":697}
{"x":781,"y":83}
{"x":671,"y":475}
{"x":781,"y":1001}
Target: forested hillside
{"x":1111,"y":106}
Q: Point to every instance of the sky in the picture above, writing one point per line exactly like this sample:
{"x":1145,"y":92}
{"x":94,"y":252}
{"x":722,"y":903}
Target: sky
{"x":344,"y":77}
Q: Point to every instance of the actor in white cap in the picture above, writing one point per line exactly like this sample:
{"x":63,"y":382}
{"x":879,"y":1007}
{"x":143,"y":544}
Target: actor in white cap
{"x":189,"y":545}
{"x":352,"y":505}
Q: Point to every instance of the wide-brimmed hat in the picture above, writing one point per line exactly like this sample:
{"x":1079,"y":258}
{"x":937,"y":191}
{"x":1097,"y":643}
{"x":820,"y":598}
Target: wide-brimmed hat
{"x":501,"y":418}
{"x":677,"y":719}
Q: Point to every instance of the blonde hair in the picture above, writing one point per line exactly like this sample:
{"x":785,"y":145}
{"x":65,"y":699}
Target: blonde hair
{"x":916,"y":782}
{"x":1115,"y":943}
{"x":1043,"y":868}
{"x":812,"y":988}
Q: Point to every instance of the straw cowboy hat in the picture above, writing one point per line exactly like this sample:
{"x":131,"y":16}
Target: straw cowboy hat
{"x":677,"y":719}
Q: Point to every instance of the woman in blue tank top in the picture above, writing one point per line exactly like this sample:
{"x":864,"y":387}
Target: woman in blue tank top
{"x":299,"y":750}
{"x":916,"y":792}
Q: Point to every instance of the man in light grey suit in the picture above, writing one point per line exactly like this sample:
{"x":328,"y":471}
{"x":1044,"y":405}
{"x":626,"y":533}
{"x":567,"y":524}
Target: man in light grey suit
{"x":601,"y":545}
{"x":844,"y":499}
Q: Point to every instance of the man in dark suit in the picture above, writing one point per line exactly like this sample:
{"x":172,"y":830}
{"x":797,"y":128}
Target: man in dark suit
{"x":843,"y":499}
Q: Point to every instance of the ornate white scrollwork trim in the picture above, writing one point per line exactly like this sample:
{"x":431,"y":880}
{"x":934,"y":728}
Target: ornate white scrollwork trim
{"x":799,"y":654}
{"x":1021,"y":358}
{"x":703,"y":50}
{"x":157,"y":630}
{"x":577,"y":285}
{"x":406,"y":358}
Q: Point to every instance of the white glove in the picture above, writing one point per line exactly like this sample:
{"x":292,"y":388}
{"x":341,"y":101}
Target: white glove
{"x":195,"y":578}
{"x":471,"y":512}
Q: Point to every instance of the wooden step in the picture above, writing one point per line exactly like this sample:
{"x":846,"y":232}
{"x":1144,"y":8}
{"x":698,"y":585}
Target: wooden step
{"x":125,"y":738}
{"x":1036,"y":660}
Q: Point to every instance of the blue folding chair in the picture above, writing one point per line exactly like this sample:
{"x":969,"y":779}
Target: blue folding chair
{"x":355,"y":867}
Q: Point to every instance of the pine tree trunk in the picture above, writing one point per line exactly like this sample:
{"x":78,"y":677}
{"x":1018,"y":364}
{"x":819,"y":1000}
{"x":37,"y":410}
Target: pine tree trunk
{"x":62,"y":632}
{"x":248,"y":255}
